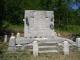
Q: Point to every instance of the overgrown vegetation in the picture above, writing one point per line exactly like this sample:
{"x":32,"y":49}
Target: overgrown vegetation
{"x":27,"y":55}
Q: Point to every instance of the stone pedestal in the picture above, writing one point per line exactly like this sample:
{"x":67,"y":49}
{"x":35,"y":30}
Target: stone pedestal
{"x":66,"y":48}
{"x":5,"y":38}
{"x":12,"y":44}
{"x":78,"y":43}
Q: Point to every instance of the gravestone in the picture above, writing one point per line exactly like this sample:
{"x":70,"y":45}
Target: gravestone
{"x":35,"y":48}
{"x":18,"y":35}
{"x":66,"y":48}
{"x":78,"y":42}
{"x":38,"y":24}
{"x":12,"y":44}
{"x":5,"y":38}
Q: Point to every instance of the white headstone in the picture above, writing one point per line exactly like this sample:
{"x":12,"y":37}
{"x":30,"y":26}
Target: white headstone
{"x":5,"y":38}
{"x":78,"y":42}
{"x":35,"y":48}
{"x":12,"y":44}
{"x":38,"y":23}
{"x":18,"y":35}
{"x":66,"y":48}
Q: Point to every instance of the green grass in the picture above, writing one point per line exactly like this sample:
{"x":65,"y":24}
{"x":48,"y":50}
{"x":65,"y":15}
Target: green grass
{"x":27,"y":55}
{"x":69,"y":28}
{"x":16,"y":28}
{"x":49,"y":56}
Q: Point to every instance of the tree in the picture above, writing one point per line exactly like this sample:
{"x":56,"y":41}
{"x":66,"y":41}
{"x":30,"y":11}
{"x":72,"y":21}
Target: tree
{"x":46,"y":4}
{"x":14,"y":12}
{"x":2,"y":12}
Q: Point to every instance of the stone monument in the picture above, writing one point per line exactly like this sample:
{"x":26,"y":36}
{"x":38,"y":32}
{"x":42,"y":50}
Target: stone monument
{"x":78,"y":43}
{"x":38,"y":24}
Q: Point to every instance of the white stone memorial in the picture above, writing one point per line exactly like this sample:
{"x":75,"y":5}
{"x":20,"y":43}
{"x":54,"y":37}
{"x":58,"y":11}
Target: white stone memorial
{"x":66,"y":48}
{"x":12,"y":44}
{"x":38,"y":24}
{"x":5,"y":38}
{"x":18,"y":35}
{"x":35,"y":48}
{"x":78,"y":42}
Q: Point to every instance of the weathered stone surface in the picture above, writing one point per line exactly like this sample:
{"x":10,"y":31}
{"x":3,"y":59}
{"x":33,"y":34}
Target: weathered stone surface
{"x":78,"y":42}
{"x":5,"y":38}
{"x":38,"y":26}
{"x":38,"y":23}
{"x":66,"y":48}
{"x":12,"y":44}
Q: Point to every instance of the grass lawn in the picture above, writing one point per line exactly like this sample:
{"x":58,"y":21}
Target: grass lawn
{"x":27,"y":55}
{"x":48,"y":56}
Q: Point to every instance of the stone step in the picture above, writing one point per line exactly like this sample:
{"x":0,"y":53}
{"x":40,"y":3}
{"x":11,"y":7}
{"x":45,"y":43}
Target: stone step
{"x":46,"y":51}
{"x":47,"y":46}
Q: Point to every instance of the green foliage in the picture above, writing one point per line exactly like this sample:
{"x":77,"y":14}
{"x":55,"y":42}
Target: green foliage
{"x":26,"y":55}
{"x":2,"y":12}
{"x":12,"y":11}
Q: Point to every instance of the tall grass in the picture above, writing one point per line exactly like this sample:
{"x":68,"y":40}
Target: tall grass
{"x":47,"y":56}
{"x":69,"y":28}
{"x":27,"y":55}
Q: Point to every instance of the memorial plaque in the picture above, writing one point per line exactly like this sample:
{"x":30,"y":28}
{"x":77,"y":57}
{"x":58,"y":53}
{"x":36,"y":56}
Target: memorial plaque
{"x":40,"y":23}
